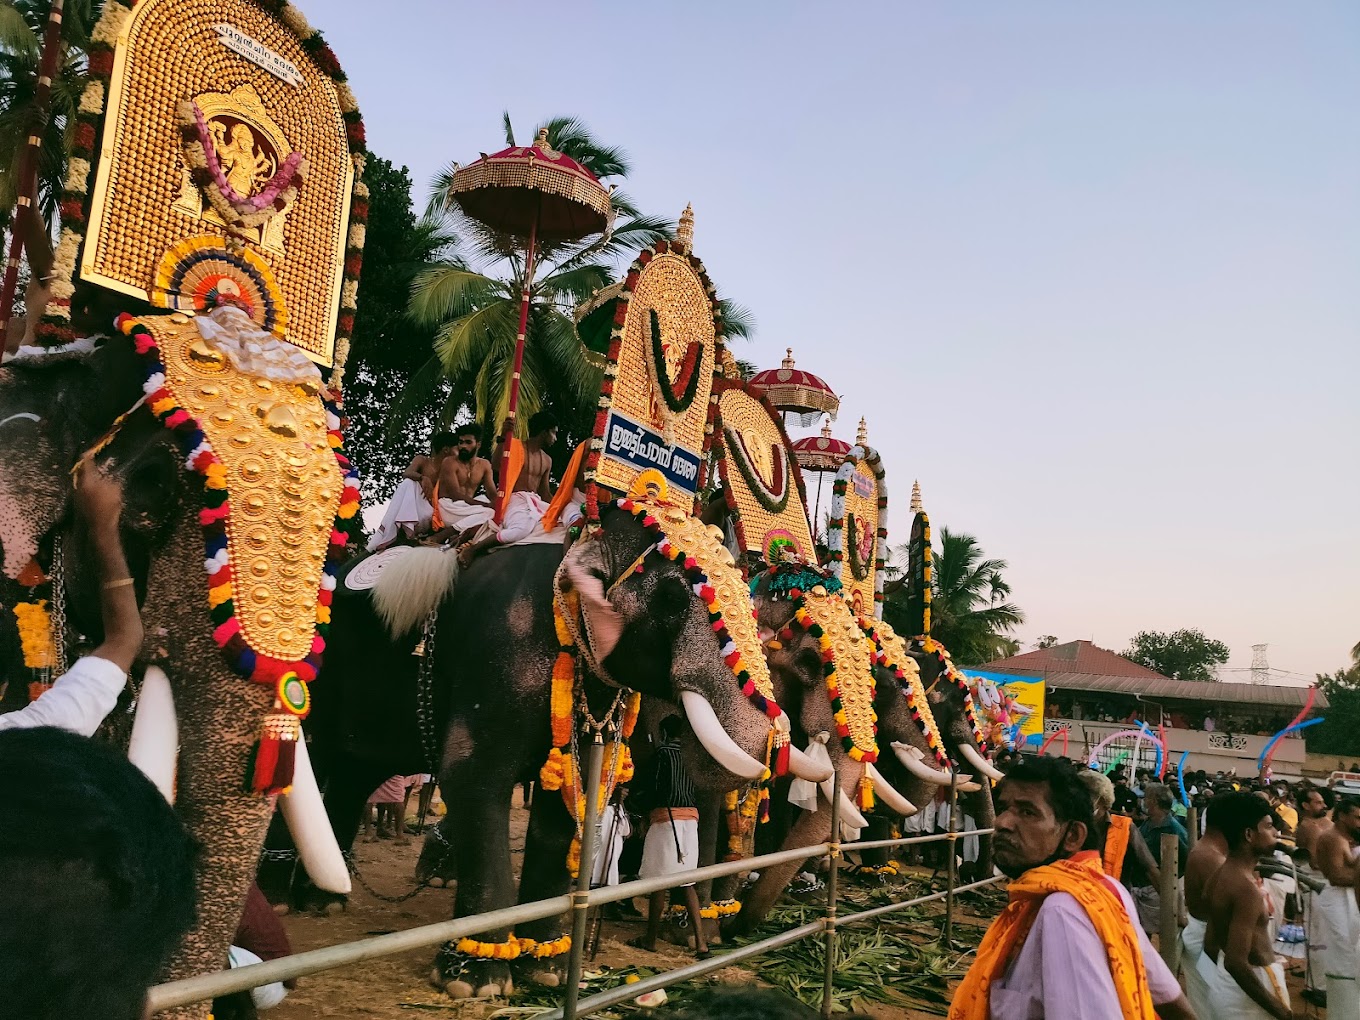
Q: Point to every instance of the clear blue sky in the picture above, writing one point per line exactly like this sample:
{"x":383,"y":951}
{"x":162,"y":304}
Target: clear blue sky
{"x":1092,"y":272}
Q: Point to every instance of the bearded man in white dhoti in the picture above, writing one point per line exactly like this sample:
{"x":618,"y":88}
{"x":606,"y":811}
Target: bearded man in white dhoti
{"x":529,"y":483}
{"x":411,"y":508}
{"x":459,"y":510}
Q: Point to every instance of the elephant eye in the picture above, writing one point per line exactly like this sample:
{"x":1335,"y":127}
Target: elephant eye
{"x":810,"y":665}
{"x":671,"y":597}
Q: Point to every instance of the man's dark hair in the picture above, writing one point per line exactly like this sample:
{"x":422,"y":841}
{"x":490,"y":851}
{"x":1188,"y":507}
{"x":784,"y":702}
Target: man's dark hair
{"x":98,"y":883}
{"x":541,"y":422}
{"x":1345,"y":804}
{"x":469,"y":429}
{"x":440,"y":440}
{"x":1237,"y":812}
{"x":1325,"y":792}
{"x":1067,"y":794}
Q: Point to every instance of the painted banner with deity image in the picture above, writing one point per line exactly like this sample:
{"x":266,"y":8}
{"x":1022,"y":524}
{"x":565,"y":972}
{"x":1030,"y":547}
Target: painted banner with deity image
{"x":858,"y":534}
{"x":760,"y":475}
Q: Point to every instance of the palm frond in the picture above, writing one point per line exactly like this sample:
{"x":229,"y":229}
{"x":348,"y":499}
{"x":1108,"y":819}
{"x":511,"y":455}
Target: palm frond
{"x":17,"y":37}
{"x":570,"y":135}
{"x":418,"y":394}
{"x":509,"y":128}
{"x":738,"y":320}
{"x":450,"y":291}
{"x":477,"y":337}
{"x":573,"y":285}
{"x":440,"y":203}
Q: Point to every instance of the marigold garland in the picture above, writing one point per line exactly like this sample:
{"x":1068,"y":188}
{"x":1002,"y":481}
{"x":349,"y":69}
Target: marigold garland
{"x":513,"y":948}
{"x":35,"y":634}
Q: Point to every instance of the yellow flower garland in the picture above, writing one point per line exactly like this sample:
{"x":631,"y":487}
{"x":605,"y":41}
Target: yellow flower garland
{"x":514,"y":948}
{"x":35,"y":634}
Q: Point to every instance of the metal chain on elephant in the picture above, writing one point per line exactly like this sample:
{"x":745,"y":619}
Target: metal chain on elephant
{"x":57,"y":577}
{"x":353,"y":866}
{"x":425,"y":692}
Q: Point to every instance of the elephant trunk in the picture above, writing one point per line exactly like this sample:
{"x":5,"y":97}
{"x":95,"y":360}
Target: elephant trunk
{"x":981,"y":807}
{"x":812,"y":827}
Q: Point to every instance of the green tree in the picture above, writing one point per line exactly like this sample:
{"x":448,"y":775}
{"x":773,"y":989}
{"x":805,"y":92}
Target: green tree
{"x":1182,"y":655}
{"x":970,"y":612}
{"x":21,"y":29}
{"x":1337,"y":734}
{"x":471,"y":301}
{"x":389,"y":350}
{"x":1046,"y":641}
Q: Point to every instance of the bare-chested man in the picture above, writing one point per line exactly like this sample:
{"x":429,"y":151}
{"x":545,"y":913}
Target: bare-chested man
{"x":461,"y":477}
{"x":1315,"y":818}
{"x":412,"y":506}
{"x":1337,"y":855}
{"x":531,"y":491}
{"x":1248,"y":979}
{"x":1207,"y":856}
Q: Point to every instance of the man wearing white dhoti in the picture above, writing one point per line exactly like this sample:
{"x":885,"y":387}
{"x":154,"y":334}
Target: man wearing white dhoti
{"x":672,"y":842}
{"x":530,"y":488}
{"x":460,"y":508}
{"x":1338,"y":858}
{"x":411,"y":508}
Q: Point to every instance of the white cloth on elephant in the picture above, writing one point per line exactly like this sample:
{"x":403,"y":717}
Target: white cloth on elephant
{"x":265,"y":996}
{"x":803,"y":793}
{"x":523,"y":523}
{"x":614,"y":829}
{"x":1230,"y":1002}
{"x":408,"y":508}
{"x":672,"y":843}
{"x":461,"y":514}
{"x":78,"y":701}
{"x":1196,"y":988}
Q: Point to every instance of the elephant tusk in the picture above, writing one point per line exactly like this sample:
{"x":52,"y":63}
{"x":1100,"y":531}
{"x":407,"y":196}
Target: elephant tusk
{"x":912,"y":760}
{"x":804,"y":767}
{"x":154,"y":747}
{"x":969,"y":787}
{"x":850,"y":815}
{"x":894,"y":800}
{"x":720,"y":746}
{"x":303,"y":810}
{"x":980,"y":763}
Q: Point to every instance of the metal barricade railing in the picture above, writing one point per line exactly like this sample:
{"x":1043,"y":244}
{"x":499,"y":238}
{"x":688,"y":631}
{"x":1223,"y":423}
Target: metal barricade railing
{"x":209,"y":986}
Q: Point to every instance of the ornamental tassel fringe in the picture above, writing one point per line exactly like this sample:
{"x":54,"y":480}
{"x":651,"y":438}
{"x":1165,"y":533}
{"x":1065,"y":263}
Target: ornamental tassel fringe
{"x":764,"y":812}
{"x":866,"y":794}
{"x":270,"y":767}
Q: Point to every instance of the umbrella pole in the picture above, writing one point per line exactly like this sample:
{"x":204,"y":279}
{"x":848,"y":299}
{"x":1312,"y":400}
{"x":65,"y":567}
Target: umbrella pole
{"x":817,"y":514}
{"x":508,"y":430}
{"x":28,"y":168}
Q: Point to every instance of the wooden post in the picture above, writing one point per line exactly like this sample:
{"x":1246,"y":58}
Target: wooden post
{"x":1170,"y":922}
{"x":1192,"y":824}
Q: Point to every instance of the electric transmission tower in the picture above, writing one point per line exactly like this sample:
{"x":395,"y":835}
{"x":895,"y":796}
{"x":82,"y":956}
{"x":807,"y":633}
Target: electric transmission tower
{"x":1260,"y":668}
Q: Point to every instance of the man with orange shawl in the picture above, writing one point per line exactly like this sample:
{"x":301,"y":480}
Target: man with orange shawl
{"x":1065,"y":947}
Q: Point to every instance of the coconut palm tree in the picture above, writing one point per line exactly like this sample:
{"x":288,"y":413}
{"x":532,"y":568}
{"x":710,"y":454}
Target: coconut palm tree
{"x":21,"y":28}
{"x":970,"y":612}
{"x":472,"y":298}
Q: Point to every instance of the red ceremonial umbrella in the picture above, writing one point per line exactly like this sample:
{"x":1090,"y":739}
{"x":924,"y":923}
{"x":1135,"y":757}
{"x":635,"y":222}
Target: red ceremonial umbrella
{"x":538,"y":193}
{"x":792,"y":389}
{"x":823,"y":454}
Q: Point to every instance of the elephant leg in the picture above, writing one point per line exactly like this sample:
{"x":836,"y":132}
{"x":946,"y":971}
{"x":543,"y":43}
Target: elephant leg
{"x":811,"y":828}
{"x":880,"y":827}
{"x":438,"y":863}
{"x":545,"y":875}
{"x":482,"y":843}
{"x":216,"y":735}
{"x":712,"y":832}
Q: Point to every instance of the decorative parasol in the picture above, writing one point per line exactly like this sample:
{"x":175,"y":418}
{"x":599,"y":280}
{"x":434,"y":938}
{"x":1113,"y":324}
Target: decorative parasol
{"x":534,"y":192}
{"x":822,"y":455}
{"x":791,"y":389}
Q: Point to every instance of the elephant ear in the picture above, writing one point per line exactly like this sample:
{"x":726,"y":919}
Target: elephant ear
{"x":583,"y":570}
{"x":34,"y":480}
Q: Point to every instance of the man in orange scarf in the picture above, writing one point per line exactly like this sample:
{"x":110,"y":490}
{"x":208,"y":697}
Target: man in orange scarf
{"x":1064,"y":948}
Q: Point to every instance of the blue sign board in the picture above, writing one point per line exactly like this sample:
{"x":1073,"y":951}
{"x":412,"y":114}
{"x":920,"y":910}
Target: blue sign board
{"x":641,"y":448}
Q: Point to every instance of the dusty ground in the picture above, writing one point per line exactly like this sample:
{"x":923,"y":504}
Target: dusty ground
{"x":398,"y":986}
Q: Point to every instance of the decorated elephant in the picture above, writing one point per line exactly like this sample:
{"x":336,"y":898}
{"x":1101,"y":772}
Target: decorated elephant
{"x":53,"y":408}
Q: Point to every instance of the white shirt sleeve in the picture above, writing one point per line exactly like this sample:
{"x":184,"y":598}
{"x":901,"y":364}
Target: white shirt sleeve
{"x":78,"y":701}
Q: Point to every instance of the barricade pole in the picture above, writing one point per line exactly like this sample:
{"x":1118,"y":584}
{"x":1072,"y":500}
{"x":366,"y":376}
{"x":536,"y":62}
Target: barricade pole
{"x":833,"y":859}
{"x":949,"y":849}
{"x":1192,"y":824}
{"x":580,"y":897}
{"x":1170,"y":919}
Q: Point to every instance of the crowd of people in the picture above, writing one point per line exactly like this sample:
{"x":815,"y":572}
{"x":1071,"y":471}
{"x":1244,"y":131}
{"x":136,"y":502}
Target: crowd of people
{"x":1208,"y":716}
{"x":1083,"y":854}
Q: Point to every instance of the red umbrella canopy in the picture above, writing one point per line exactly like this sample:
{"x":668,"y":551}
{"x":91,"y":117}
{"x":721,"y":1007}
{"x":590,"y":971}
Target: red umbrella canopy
{"x":508,"y":190}
{"x":821,"y":453}
{"x":791,"y":389}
